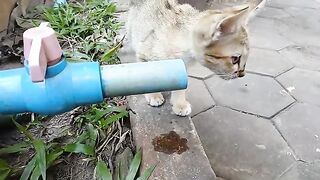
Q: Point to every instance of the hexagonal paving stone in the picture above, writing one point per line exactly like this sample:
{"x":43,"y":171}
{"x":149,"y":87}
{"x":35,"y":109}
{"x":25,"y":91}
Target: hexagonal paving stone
{"x":198,"y":71}
{"x":270,"y":12}
{"x":199,"y":96}
{"x":268,"y":62}
{"x":303,"y":171}
{"x":264,"y":33}
{"x":305,"y":57}
{"x":300,"y":127}
{"x":303,"y":27}
{"x":294,"y":3}
{"x":255,"y":94}
{"x":148,"y":123}
{"x":241,"y":146}
{"x":304,"y":85}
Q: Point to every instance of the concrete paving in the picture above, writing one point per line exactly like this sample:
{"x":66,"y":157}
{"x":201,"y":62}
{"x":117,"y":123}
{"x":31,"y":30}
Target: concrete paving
{"x":265,"y":125}
{"x":275,"y":141}
{"x":242,"y":146}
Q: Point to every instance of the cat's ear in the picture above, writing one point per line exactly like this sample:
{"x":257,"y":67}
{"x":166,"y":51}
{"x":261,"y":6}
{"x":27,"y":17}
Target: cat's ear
{"x":232,"y":23}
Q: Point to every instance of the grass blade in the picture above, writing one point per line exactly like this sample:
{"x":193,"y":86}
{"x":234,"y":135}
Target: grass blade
{"x":4,"y":174}
{"x":102,"y":171}
{"x":5,"y":169}
{"x":41,"y":157}
{"x":28,"y":169}
{"x":49,"y":160}
{"x":79,"y":148}
{"x":112,"y":51}
{"x":23,"y":130}
{"x":100,"y":113}
{"x":93,"y":135}
{"x":83,"y":136}
{"x":134,"y":166}
{"x":19,"y":147}
{"x":4,"y":165}
{"x":113,"y":118}
{"x":36,"y":172}
{"x":52,"y":156}
{"x":147,"y":173}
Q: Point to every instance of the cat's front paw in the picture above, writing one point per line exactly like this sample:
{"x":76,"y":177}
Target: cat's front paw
{"x":155,"y":100}
{"x":182,"y":109}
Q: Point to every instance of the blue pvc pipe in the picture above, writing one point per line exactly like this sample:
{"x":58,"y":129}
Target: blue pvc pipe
{"x":68,"y":85}
{"x":144,"y":77}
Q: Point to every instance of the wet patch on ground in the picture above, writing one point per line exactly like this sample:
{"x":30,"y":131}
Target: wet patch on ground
{"x":170,"y":143}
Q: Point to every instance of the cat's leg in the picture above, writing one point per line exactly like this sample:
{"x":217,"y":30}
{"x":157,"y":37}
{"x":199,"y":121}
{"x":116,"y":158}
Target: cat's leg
{"x":180,"y":105}
{"x":154,"y":99}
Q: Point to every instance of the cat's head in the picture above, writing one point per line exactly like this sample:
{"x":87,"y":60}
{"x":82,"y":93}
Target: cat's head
{"x":220,"y":41}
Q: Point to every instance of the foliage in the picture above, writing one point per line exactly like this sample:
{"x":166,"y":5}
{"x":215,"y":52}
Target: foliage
{"x":87,"y":29}
{"x":46,"y":154}
{"x":103,"y":173}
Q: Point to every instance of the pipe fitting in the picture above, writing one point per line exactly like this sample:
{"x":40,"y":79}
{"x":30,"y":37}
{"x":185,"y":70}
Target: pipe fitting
{"x":78,"y":84}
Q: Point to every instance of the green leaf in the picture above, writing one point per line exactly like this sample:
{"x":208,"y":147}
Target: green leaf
{"x":76,"y":55}
{"x":93,"y":135}
{"x":79,"y":148}
{"x":28,"y":169}
{"x":113,"y":118}
{"x":5,"y":169}
{"x":111,"y":52}
{"x":83,"y":136}
{"x":36,"y":173}
{"x":102,"y":171}
{"x":4,"y":165}
{"x":19,"y":147}
{"x":23,"y":130}
{"x":100,"y":113}
{"x":134,"y":166}
{"x":4,"y":174}
{"x":52,"y":156}
{"x":147,"y":173}
{"x":41,"y":161}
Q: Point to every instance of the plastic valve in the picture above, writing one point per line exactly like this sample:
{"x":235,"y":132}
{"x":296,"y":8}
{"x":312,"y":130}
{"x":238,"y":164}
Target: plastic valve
{"x":41,"y":49}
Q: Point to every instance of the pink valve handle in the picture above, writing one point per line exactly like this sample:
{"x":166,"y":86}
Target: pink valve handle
{"x":41,"y":48}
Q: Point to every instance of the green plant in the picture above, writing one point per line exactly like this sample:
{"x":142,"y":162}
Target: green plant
{"x":103,"y":173}
{"x":44,"y":157}
{"x":86,"y":30}
{"x":47,"y":153}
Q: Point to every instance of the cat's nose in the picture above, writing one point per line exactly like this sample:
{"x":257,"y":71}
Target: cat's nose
{"x":241,"y":73}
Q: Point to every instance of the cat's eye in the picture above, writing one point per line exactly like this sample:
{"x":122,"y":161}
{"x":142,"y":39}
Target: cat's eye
{"x":236,"y":59}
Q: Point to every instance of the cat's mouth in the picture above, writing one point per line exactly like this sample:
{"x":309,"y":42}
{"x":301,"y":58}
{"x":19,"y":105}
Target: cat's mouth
{"x":235,"y":75}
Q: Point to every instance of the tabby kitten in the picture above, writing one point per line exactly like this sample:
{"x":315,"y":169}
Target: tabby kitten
{"x":164,"y":29}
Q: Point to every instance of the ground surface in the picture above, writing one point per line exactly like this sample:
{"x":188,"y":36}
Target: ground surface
{"x":264,"y":126}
